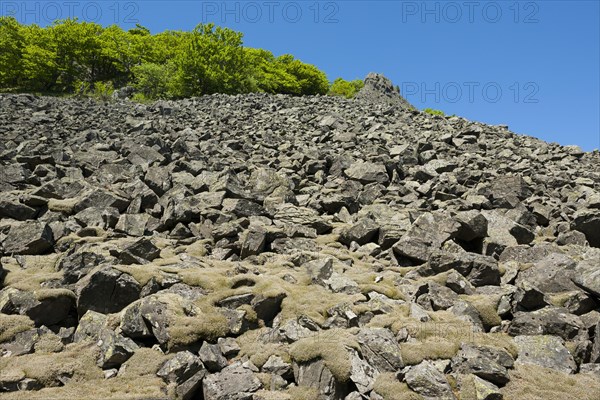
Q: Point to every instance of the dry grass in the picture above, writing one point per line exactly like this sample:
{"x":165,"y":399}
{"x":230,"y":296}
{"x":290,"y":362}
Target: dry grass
{"x":258,"y":351}
{"x":10,"y":325}
{"x":78,"y":360}
{"x":39,"y":270}
{"x":433,"y":349}
{"x":486,"y":306}
{"x":331,"y":346}
{"x":532,"y":382}
{"x":391,"y":388}
{"x":303,"y":393}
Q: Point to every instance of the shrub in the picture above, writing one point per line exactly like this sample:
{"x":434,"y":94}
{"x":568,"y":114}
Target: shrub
{"x":434,"y":112}
{"x":347,"y":89}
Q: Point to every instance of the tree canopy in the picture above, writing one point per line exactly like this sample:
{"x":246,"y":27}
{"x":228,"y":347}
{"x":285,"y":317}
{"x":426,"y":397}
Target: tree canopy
{"x":71,"y":56}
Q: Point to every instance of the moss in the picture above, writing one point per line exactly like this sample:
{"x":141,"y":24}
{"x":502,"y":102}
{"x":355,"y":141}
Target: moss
{"x":39,"y":270}
{"x":142,"y":273}
{"x":144,"y":362}
{"x":63,"y":205}
{"x":77,"y":360}
{"x":559,"y":299}
{"x":433,"y":349}
{"x":45,"y":294}
{"x":486,"y":306}
{"x":303,"y":393}
{"x":331,"y":346}
{"x":10,"y":325}
{"x":48,"y":343}
{"x":390,"y":388}
{"x":532,"y":382}
{"x":207,"y":325}
{"x":259,"y":352}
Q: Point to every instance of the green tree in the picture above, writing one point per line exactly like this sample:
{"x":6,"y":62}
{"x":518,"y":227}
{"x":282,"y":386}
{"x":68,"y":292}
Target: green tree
{"x":12,"y":43}
{"x":312,"y":81}
{"x":154,"y":81}
{"x":269,"y":75}
{"x":347,"y":89}
{"x":212,"y":61}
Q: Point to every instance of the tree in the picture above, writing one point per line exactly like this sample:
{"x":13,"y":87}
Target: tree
{"x":12,"y":43}
{"x":312,"y":81}
{"x":212,"y":61}
{"x":347,"y":89}
{"x":154,"y":81}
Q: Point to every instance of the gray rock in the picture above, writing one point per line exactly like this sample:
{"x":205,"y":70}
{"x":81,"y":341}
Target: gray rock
{"x":546,"y":351}
{"x":186,"y":371}
{"x":366,"y":172}
{"x":380,"y":348}
{"x":107,"y":290}
{"x":588,"y":223}
{"x":29,"y":238}
{"x":114,"y":349}
{"x":316,"y":375}
{"x":547,"y":321}
{"x":233,"y":383}
{"x":587,"y":277}
{"x":49,"y":310}
{"x":211,"y":356}
{"x":428,"y":381}
{"x":486,"y":362}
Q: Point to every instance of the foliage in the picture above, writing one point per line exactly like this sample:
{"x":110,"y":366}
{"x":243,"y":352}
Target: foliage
{"x":70,"y":56}
{"x":347,"y":89}
{"x":434,"y":112}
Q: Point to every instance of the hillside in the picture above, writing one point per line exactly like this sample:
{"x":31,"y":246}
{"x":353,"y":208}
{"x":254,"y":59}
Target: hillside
{"x":263,"y":247}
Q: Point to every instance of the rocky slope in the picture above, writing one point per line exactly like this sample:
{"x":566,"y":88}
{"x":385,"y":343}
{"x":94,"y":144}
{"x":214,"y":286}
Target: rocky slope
{"x":270,"y":247}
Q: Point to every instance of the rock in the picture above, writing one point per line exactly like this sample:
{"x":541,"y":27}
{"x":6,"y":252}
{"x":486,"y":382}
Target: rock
{"x":379,"y":89}
{"x":107,"y":290}
{"x":380,"y":348}
{"x":485,"y":390}
{"x":551,"y":274}
{"x":528,"y":298}
{"x":186,"y":371}
{"x":426,"y":380}
{"x":486,"y":362}
{"x":254,"y":243}
{"x":142,"y":251}
{"x":546,"y":351}
{"x":547,"y":321}
{"x":211,"y":357}
{"x":48,"y":308}
{"x":427,"y":233}
{"x":315,"y":374}
{"x":12,"y":208}
{"x":473,"y":225}
{"x":320,"y":269}
{"x":361,"y":232}
{"x":29,"y":238}
{"x":587,"y":277}
{"x":276,"y":365}
{"x":78,"y":263}
{"x":366,"y":172}
{"x":114,"y":349}
{"x":233,"y":383}
{"x":362,"y":374}
{"x":588,"y":223}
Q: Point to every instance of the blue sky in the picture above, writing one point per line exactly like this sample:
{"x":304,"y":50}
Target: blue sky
{"x":533,"y":65}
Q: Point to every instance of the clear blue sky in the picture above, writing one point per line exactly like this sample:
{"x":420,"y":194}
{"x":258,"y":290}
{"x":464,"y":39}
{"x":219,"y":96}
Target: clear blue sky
{"x":533,"y":65}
